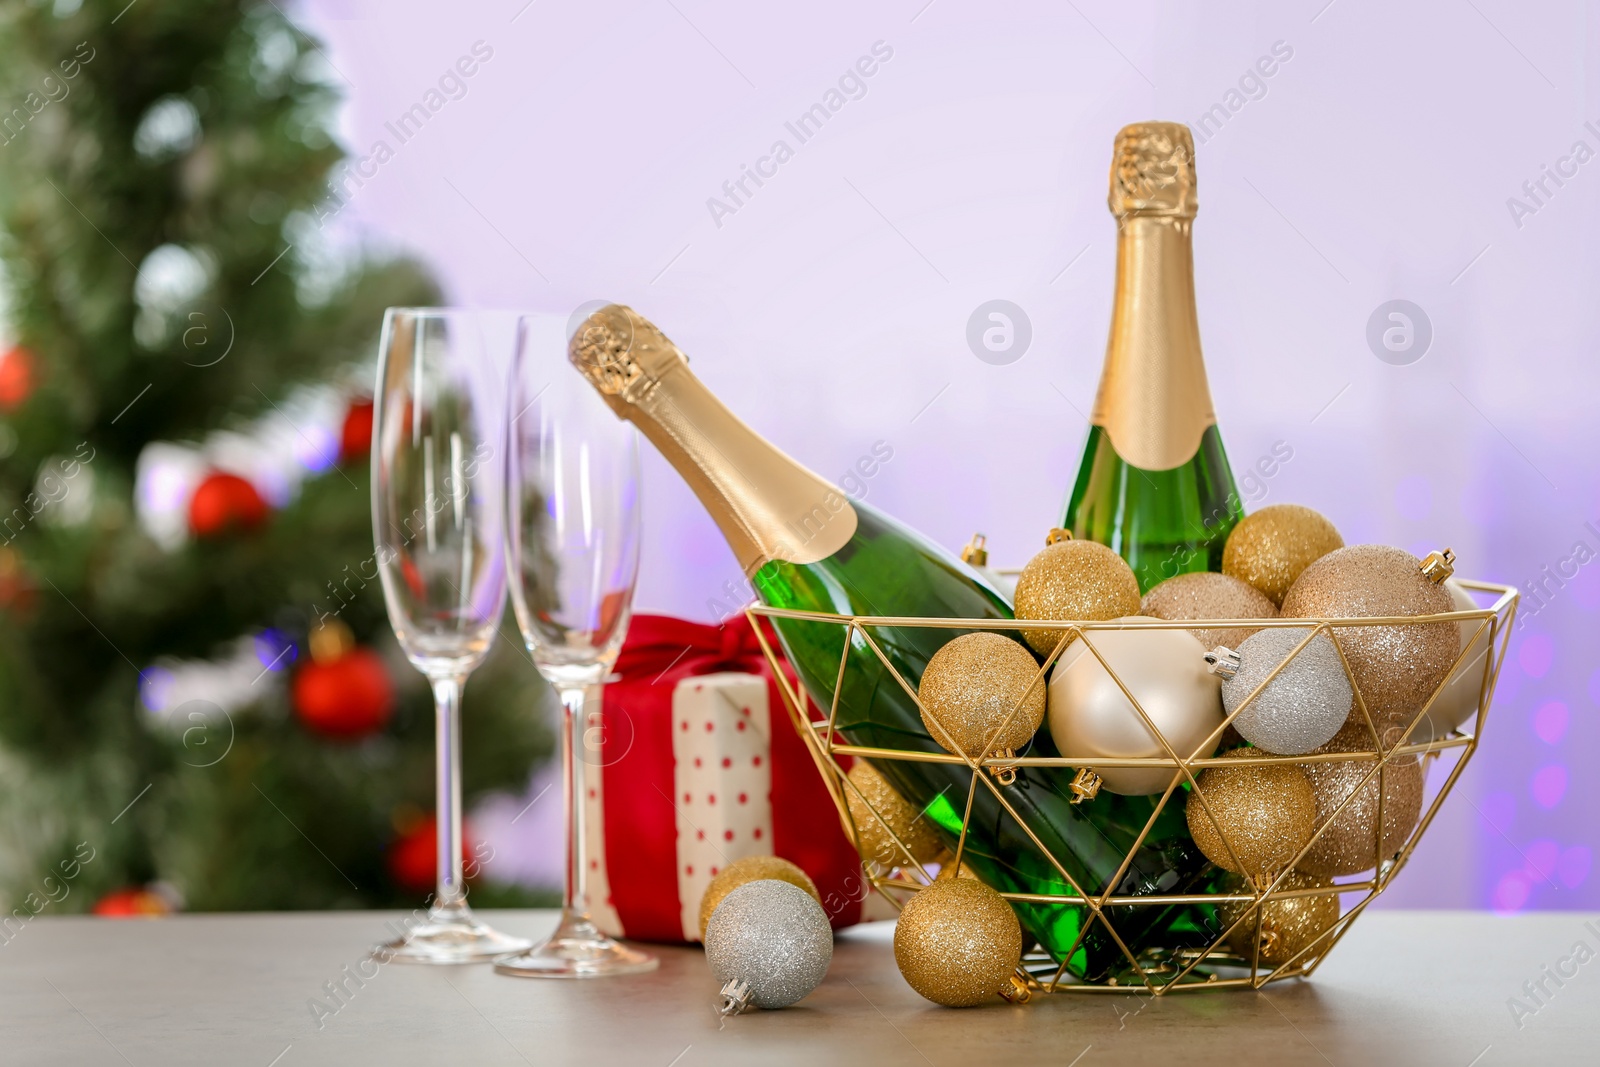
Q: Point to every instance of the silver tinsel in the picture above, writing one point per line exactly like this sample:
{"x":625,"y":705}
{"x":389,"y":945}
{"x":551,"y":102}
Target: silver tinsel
{"x":1306,"y":703}
{"x":774,"y":938}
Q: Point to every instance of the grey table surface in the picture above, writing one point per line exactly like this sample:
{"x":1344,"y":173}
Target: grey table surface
{"x":1403,"y":987}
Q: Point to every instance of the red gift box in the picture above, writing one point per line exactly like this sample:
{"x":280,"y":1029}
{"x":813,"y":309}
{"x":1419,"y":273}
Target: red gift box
{"x":697,"y":764}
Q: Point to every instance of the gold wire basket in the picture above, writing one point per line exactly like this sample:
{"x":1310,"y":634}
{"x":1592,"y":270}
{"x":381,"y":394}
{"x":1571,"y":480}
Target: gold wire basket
{"x":1159,"y":971}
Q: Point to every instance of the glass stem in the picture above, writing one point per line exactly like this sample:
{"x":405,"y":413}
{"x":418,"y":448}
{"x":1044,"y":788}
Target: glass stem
{"x":574,"y":726}
{"x":452,"y":886}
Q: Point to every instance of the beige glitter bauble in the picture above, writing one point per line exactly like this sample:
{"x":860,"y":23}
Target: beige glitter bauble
{"x":972,"y":686}
{"x":1396,"y":668}
{"x":1207,"y":595}
{"x":1074,"y":581}
{"x":1349,"y":845}
{"x":1269,"y":548}
{"x":957,"y":942}
{"x":1288,"y":924}
{"x":751,"y":869}
{"x":1265,"y":811}
{"x":1457,"y":702}
{"x":1165,"y":670}
{"x":912,"y":826}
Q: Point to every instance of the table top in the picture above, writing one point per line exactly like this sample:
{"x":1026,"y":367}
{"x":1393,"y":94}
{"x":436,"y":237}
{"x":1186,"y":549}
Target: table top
{"x":1402,"y":987}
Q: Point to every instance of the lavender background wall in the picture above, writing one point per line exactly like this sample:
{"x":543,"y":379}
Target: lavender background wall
{"x":831,"y":307}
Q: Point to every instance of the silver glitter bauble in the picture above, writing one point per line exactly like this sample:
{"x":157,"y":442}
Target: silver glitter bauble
{"x":1302,"y":707}
{"x":773,"y":937}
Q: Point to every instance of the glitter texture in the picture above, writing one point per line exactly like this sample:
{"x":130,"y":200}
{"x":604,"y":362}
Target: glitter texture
{"x":1269,"y":548}
{"x":1288,"y":924}
{"x":1074,"y":581}
{"x":751,"y":869}
{"x":1396,"y":668}
{"x":1304,"y":706}
{"x":1347,"y":846}
{"x":974,"y":684}
{"x":1459,"y":700}
{"x":1266,"y":811}
{"x":905,"y":821}
{"x":773,"y":936}
{"x":957,"y":942}
{"x":1207,"y":595}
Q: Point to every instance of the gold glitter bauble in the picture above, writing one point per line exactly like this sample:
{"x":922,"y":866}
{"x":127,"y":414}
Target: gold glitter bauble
{"x":1288,"y":924}
{"x":1074,"y":580}
{"x":949,"y":870}
{"x":1208,"y":595}
{"x":912,"y":826}
{"x":1091,"y":716}
{"x":1348,"y":846}
{"x":1266,"y":811}
{"x":751,"y":869}
{"x":1269,"y":548}
{"x":957,"y":942}
{"x":974,"y":684}
{"x":1396,"y":668}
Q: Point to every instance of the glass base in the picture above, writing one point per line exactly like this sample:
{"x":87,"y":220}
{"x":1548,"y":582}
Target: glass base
{"x":450,"y":934}
{"x":577,"y":949}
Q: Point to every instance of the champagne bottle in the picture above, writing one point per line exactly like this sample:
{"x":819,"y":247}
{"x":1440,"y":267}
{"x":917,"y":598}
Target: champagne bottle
{"x":806,"y":547}
{"x":1154,"y":482}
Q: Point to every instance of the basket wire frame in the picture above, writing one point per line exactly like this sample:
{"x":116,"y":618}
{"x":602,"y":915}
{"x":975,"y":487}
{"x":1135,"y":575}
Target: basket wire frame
{"x":1159,"y":976}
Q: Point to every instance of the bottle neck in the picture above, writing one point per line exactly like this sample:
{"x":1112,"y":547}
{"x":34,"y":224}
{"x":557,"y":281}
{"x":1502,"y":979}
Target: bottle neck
{"x":768,"y":507}
{"x":1154,"y":402}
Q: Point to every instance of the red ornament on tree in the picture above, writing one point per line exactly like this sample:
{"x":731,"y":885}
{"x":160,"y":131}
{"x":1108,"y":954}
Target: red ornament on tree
{"x":223,"y":503}
{"x":17,"y":367}
{"x":355,"y":438}
{"x":413,"y":856}
{"x":344,"y":693}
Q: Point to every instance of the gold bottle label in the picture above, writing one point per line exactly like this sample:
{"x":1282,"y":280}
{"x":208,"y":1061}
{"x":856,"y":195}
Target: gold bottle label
{"x":1154,"y":402}
{"x":770,"y":508}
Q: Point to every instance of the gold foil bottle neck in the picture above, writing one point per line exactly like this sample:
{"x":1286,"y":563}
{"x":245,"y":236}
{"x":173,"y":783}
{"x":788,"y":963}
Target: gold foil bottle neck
{"x":768,"y":507}
{"x":1152,"y":171}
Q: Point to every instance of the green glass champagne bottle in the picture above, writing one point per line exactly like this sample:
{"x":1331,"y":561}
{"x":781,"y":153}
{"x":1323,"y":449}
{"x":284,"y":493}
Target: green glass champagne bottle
{"x":1154,"y":483}
{"x":806,"y":547}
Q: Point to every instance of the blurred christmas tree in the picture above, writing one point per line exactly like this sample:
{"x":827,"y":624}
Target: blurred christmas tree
{"x":178,"y":506}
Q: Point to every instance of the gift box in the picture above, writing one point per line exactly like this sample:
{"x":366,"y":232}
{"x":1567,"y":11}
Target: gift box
{"x":694,"y":764}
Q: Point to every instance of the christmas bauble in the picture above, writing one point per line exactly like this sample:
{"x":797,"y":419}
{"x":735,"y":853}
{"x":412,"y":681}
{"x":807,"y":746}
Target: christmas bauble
{"x":772,"y":937}
{"x":1303,"y":706}
{"x":982,"y":693}
{"x":414,"y":855}
{"x":1396,"y":668}
{"x":1288,"y":924}
{"x":134,"y":902}
{"x":17,"y":375}
{"x":355,"y":436}
{"x":1457,"y":702}
{"x":898,"y":818}
{"x":1074,"y":580}
{"x":223,"y":503}
{"x":957,"y":942}
{"x":1165,"y":670}
{"x":345,"y":699}
{"x":1271,"y":547}
{"x":751,"y":869}
{"x":1349,"y":845}
{"x":1255,"y":817}
{"x":1208,"y":595}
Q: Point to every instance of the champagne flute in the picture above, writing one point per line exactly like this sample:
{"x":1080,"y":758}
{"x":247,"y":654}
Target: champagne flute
{"x":438,"y":496}
{"x":572,"y":512}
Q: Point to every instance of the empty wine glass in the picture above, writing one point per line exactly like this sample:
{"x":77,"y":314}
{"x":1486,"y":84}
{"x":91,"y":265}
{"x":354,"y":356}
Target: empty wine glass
{"x":438,"y":495}
{"x":573,"y":519}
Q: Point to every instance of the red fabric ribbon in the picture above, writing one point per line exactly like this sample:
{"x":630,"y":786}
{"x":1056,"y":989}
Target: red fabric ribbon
{"x":640,"y":819}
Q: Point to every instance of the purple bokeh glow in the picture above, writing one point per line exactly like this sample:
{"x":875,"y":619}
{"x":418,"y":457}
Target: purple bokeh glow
{"x":1383,"y":161}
